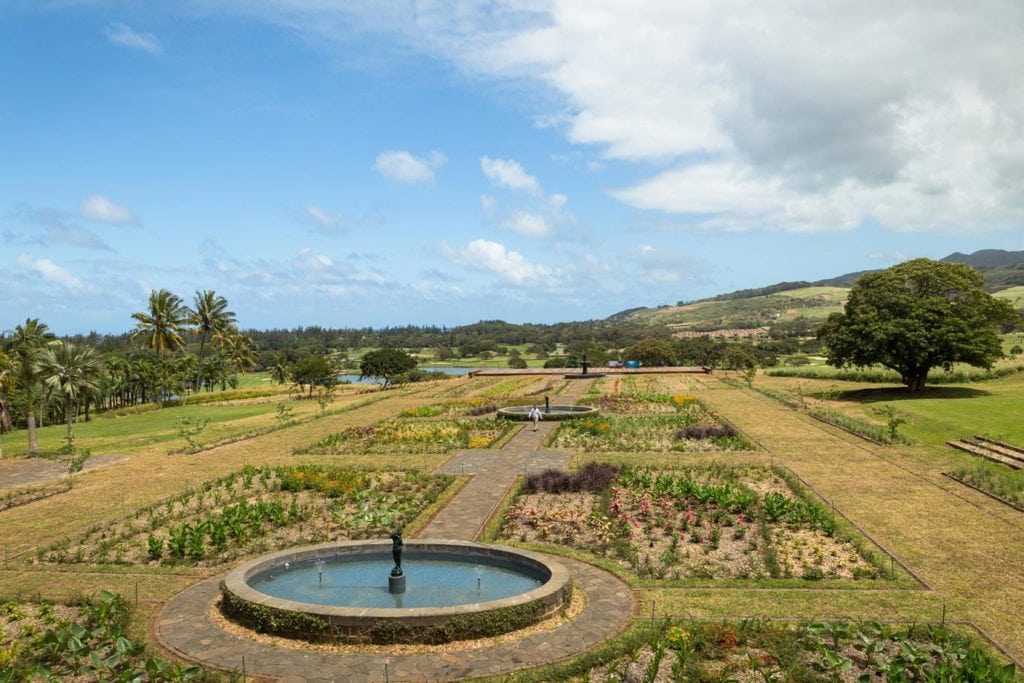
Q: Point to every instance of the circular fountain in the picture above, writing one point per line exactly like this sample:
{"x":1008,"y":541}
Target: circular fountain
{"x":549,"y":412}
{"x":338,"y":592}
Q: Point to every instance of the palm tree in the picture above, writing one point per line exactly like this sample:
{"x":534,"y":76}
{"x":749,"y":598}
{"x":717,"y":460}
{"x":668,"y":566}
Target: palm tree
{"x":162,"y":325}
{"x":72,"y":370}
{"x":210,"y":317}
{"x":242,"y":352}
{"x":27,"y":343}
{"x":279,"y":372}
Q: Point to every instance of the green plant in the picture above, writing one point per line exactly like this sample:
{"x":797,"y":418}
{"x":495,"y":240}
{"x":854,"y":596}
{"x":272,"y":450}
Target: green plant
{"x":191,"y":427}
{"x":155,"y":547}
{"x":893,"y":420}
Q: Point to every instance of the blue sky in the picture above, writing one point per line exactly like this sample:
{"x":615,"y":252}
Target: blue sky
{"x":354,"y":164}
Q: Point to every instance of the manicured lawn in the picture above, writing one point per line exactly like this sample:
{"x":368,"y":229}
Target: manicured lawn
{"x":937,"y":414}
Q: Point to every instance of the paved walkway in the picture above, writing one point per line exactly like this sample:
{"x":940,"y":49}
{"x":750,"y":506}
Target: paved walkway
{"x":19,"y":472}
{"x":494,"y":472}
{"x":184,"y":625}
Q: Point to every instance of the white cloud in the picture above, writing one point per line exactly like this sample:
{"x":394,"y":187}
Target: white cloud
{"x":309,"y":261}
{"x":50,"y":271}
{"x":126,"y":36}
{"x":908,"y":115}
{"x":511,"y":266}
{"x":795,"y":116}
{"x":509,"y":173}
{"x":99,"y":208}
{"x":528,"y":224}
{"x":327,"y":221}
{"x":402,"y":166}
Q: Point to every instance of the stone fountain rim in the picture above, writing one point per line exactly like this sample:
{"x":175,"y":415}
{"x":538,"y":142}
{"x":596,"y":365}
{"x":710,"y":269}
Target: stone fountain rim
{"x":236,"y":580}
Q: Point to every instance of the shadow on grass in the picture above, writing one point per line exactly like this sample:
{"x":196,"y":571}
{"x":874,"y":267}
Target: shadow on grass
{"x":902,"y":394}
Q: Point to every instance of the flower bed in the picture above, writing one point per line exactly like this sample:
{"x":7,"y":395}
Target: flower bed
{"x":87,"y":642}
{"x":640,"y":404}
{"x":412,"y":436}
{"x":254,"y":510}
{"x":459,"y":408}
{"x":765,"y":651}
{"x":651,"y":433}
{"x":698,"y":523}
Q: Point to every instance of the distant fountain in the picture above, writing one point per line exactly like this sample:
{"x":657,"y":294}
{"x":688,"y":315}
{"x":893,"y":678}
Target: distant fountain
{"x":584,"y":371}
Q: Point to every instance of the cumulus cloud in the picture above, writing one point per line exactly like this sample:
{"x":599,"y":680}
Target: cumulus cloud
{"x":511,"y":266}
{"x":99,"y":208}
{"x":529,"y":224}
{"x":834,"y":115}
{"x":795,"y":117}
{"x":126,"y":36}
{"x":509,"y":173}
{"x":50,"y":271}
{"x":402,"y":166}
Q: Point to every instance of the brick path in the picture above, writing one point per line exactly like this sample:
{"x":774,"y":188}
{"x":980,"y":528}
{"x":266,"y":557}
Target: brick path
{"x":184,"y":626}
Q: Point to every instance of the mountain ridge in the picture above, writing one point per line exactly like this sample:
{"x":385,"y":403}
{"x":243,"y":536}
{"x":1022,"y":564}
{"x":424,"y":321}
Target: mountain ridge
{"x":793,"y":300}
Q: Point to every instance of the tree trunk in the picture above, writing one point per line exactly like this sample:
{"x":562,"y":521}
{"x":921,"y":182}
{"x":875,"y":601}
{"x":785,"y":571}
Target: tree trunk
{"x":69,"y":415}
{"x":915,"y":378}
{"x":199,"y":365}
{"x":33,"y":440}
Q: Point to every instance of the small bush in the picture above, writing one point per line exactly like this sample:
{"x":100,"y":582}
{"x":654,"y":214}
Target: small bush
{"x":593,"y":477}
{"x":704,"y":431}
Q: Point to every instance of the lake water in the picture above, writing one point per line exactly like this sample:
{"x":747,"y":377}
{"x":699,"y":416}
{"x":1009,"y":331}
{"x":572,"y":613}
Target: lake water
{"x":448,"y":370}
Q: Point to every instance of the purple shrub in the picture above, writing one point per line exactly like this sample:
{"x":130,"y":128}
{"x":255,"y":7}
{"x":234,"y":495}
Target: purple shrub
{"x":704,"y":431}
{"x":593,"y":477}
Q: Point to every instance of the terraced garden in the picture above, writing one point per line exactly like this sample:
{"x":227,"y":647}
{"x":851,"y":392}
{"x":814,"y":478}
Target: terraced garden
{"x":775,"y":562}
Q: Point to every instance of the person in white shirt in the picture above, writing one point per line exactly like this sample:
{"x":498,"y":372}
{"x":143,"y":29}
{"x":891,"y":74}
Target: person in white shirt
{"x":535,"y":416}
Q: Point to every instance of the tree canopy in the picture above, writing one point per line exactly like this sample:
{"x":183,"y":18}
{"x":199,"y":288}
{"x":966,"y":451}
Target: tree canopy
{"x":915,"y":316}
{"x":651,"y":352}
{"x":386,"y":364}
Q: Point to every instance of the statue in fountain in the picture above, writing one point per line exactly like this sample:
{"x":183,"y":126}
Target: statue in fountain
{"x":396,"y":581}
{"x":396,"y":551}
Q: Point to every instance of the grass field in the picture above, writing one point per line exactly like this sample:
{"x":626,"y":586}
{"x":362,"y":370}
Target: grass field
{"x":966,"y":550}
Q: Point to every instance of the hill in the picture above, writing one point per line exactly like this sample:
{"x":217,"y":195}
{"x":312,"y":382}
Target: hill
{"x":802,"y":302}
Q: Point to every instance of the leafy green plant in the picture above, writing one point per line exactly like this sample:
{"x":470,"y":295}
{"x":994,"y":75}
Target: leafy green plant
{"x":191,"y":427}
{"x":155,"y":547}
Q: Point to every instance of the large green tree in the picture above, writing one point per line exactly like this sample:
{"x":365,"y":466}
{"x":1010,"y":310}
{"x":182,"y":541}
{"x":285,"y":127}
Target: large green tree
{"x":73,"y":371}
{"x":651,"y":352}
{"x":916,"y":316}
{"x":386,"y":364}
{"x":26,"y":344}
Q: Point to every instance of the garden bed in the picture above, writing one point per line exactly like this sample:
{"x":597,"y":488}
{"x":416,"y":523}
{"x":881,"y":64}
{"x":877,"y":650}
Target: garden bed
{"x":86,"y":642}
{"x":255,"y":510}
{"x":755,"y":650}
{"x":468,"y":407}
{"x":412,"y":436}
{"x":712,"y":523}
{"x":690,"y":427}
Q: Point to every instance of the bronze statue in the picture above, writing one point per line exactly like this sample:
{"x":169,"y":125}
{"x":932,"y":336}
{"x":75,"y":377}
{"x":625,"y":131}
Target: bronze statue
{"x":396,"y":551}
